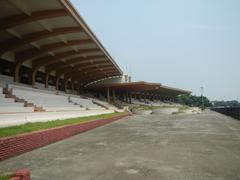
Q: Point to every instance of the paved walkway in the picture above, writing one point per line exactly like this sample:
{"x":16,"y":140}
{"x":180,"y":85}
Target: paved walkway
{"x":154,"y":147}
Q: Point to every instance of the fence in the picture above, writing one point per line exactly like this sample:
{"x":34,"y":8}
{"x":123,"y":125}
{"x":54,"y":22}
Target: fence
{"x":234,"y":112}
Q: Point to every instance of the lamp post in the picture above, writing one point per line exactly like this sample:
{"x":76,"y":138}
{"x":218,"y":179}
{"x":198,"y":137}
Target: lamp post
{"x":202,"y":97}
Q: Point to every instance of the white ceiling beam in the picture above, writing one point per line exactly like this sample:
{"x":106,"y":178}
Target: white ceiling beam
{"x":21,"y":6}
{"x":35,"y":45}
{"x":62,"y":39}
{"x":45,"y":25}
{"x":14,"y":33}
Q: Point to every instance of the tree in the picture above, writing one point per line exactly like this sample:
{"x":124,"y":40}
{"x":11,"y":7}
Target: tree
{"x":191,"y":100}
{"x":233,"y":103}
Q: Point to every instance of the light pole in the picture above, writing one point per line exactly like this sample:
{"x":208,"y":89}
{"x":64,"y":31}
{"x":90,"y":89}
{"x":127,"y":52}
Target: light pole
{"x":202,"y":96}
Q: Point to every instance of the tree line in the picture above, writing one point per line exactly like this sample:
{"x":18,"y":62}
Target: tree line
{"x":233,"y":103}
{"x":196,"y":101}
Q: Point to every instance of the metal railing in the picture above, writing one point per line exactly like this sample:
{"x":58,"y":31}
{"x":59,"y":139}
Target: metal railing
{"x":234,"y":112}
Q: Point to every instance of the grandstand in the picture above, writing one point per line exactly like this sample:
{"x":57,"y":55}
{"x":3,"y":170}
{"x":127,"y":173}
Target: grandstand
{"x":52,"y":66}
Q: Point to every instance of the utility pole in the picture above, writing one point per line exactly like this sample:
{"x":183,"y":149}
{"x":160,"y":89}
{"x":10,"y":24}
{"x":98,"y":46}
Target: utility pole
{"x":202,"y":96}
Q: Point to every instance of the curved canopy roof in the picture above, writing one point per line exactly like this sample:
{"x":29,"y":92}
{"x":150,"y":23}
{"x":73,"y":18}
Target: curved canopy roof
{"x":142,"y":87}
{"x":51,"y":34}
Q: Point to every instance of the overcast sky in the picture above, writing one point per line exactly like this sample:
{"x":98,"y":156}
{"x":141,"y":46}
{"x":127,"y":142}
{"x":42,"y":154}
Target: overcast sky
{"x":180,"y":43}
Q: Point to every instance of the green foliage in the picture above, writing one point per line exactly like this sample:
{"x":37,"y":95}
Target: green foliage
{"x":193,"y":101}
{"x":233,"y":103}
{"x":30,"y":127}
{"x":5,"y":177}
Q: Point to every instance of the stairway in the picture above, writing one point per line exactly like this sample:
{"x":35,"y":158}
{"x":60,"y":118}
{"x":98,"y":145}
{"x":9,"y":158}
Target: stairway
{"x":8,"y":94}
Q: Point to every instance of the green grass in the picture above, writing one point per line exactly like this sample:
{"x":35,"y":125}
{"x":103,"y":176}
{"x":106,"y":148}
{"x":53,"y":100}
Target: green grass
{"x":31,"y":127}
{"x":5,"y":177}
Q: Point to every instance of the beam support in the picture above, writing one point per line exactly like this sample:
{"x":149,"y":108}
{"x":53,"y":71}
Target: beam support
{"x":13,"y":21}
{"x":14,"y":43}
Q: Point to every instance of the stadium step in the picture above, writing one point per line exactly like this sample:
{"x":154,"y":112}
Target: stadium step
{"x":100,"y":105}
{"x":28,"y":104}
{"x":39,"y":109}
{"x":10,"y":96}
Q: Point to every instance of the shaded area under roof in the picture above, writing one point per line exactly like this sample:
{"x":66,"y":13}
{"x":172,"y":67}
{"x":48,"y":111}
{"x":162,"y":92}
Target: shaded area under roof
{"x":51,"y":35}
{"x":141,"y":87}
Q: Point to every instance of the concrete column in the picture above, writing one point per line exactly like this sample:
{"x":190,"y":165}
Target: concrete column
{"x":17,"y":70}
{"x":72,"y":86}
{"x":108,"y":95}
{"x":46,"y":80}
{"x":34,"y":77}
{"x":130,"y":98}
{"x":57,"y":83}
{"x":114,"y":95}
{"x":65,"y":85}
{"x":78,"y":87}
{"x":124,"y":97}
{"x":126,"y":100}
{"x":135,"y":96}
{"x":144,"y":97}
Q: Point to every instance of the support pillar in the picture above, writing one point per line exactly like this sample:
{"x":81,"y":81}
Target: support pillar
{"x":130,"y":98}
{"x":34,"y":77}
{"x":114,"y":95}
{"x":124,"y":97}
{"x":17,"y":71}
{"x":72,"y":83}
{"x":135,"y":96}
{"x":108,"y":95}
{"x":78,"y":87}
{"x":144,"y":97}
{"x":46,"y":80}
{"x":126,"y":100}
{"x":65,"y":85}
{"x":57,"y":83}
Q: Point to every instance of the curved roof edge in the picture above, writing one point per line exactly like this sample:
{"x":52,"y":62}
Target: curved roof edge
{"x":70,"y":8}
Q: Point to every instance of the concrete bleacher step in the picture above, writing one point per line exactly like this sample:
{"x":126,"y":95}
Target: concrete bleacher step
{"x":100,"y":105}
{"x":5,"y":110}
{"x":39,"y":109}
{"x":27,"y":104}
{"x":10,"y":96}
{"x":9,"y":104}
{"x":64,"y":109}
{"x":7,"y":100}
{"x":19,"y":100}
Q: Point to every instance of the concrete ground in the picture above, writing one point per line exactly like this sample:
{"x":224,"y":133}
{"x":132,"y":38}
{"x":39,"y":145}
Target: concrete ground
{"x":151,"y":147}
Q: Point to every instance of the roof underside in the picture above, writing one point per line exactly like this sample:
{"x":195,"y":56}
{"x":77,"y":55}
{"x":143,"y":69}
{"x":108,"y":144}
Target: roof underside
{"x":143,"y":87}
{"x":52,"y":34}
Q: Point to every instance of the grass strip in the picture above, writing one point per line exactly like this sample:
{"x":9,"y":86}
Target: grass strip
{"x":5,"y":177}
{"x":31,"y":127}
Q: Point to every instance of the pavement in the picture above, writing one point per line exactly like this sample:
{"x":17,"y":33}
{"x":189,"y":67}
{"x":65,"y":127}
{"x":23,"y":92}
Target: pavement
{"x":144,"y":147}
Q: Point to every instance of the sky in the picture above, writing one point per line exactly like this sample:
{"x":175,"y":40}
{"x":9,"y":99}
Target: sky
{"x":181,"y":43}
